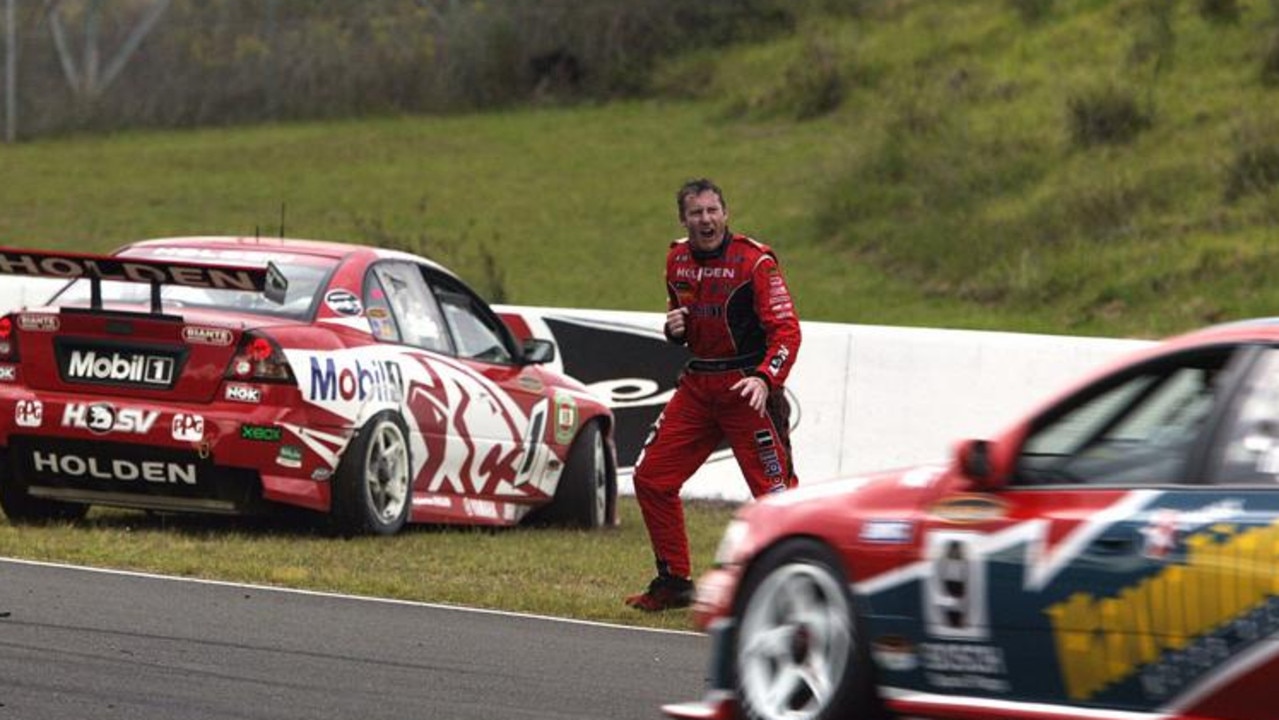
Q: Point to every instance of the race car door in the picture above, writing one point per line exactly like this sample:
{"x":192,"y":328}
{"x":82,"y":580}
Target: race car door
{"x":1058,"y":588}
{"x":508,"y":410}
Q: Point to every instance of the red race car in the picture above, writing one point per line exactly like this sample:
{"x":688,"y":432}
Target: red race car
{"x":233,"y":375}
{"x":1114,"y":556}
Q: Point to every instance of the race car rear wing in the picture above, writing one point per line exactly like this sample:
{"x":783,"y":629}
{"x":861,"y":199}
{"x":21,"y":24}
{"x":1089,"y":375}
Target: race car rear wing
{"x":95,"y":268}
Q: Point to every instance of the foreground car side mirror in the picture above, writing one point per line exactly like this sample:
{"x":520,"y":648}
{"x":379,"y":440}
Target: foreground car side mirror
{"x":537,"y":351}
{"x":975,"y":460}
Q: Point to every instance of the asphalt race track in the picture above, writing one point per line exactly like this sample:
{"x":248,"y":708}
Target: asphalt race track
{"x":77,"y":643}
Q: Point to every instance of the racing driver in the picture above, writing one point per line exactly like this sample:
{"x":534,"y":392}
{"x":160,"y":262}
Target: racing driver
{"x":728,"y":301}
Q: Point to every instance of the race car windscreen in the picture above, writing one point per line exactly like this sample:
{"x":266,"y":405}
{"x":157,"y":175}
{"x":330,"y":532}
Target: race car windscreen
{"x":305,"y":275}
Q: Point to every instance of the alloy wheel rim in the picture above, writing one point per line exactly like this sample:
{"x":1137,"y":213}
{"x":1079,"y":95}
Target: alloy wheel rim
{"x":794,"y":643}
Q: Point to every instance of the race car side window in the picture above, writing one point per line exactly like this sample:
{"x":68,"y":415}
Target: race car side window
{"x":401,"y":289}
{"x":1249,"y":449}
{"x":1140,"y":427}
{"x":477,"y":331}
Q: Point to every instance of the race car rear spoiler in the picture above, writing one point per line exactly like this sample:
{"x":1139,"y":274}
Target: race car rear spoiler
{"x":96,"y":268}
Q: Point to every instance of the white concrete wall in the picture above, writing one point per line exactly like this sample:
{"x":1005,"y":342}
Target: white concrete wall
{"x":868,"y":397}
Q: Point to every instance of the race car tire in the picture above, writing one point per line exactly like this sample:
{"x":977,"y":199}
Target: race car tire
{"x":20,"y":507}
{"x":799,"y":652}
{"x":372,"y":486}
{"x":587,"y":488}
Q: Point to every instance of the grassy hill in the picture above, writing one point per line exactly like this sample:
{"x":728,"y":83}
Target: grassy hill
{"x":1079,"y":167}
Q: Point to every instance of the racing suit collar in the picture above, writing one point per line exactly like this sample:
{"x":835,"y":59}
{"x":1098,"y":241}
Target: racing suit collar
{"x":705,"y":255}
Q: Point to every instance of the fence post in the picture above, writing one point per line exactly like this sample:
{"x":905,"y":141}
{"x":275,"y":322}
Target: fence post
{"x":10,"y":72}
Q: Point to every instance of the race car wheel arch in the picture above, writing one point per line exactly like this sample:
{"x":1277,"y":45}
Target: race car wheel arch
{"x":798,"y":651}
{"x":21,"y":507}
{"x":587,"y":489}
{"x":371,"y":488}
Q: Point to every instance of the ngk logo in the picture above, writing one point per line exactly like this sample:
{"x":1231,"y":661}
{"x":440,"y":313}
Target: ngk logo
{"x":29,"y":413}
{"x":103,"y":418}
{"x":243,"y":393}
{"x":118,"y":367}
{"x":188,"y":428}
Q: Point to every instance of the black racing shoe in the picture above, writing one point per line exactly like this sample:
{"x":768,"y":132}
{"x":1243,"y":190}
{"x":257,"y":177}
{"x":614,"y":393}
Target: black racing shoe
{"x":665,"y":592}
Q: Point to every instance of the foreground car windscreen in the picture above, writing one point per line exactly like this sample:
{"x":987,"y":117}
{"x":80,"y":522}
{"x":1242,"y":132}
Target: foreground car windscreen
{"x":305,"y":275}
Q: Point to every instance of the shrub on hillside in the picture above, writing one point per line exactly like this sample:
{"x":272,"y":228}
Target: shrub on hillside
{"x":1222,"y":11}
{"x":1270,"y":60}
{"x":1031,"y":12}
{"x":1105,"y":115}
{"x":1254,"y":167}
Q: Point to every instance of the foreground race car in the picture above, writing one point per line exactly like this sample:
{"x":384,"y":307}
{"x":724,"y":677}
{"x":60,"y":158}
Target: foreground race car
{"x":236,"y":375}
{"x":1113,"y":556}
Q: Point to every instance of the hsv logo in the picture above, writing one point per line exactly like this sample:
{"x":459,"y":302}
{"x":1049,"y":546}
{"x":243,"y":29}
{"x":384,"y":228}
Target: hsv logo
{"x":243,"y":393}
{"x":120,"y":367}
{"x":28,"y":413}
{"x":188,"y":428}
{"x":103,"y":418}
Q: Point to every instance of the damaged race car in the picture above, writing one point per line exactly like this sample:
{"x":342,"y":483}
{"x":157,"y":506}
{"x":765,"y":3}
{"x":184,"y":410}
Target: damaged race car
{"x":238,"y":375}
{"x":1113,"y":556}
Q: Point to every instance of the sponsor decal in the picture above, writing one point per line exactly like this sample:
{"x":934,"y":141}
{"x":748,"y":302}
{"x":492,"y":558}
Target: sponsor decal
{"x":243,"y":393}
{"x":321,"y":474}
{"x":37,"y":322}
{"x":144,"y":271}
{"x":705,"y":273}
{"x":772,"y":464}
{"x":480,"y":508}
{"x":531,"y":383}
{"x":964,"y":666}
{"x":290,"y":456}
{"x":28,"y":413}
{"x":1159,"y":536}
{"x":102,"y":418}
{"x":166,"y":473}
{"x":187,"y":427}
{"x":200,"y":335}
{"x":1171,"y":627}
{"x":775,"y":364}
{"x":130,"y":368}
{"x":343,"y":302}
{"x":888,"y":532}
{"x":377,"y":312}
{"x":352,"y":379}
{"x":8,"y":373}
{"x":764,"y":438}
{"x":894,"y":652}
{"x":969,"y":508}
{"x":261,"y":433}
{"x":565,"y":417}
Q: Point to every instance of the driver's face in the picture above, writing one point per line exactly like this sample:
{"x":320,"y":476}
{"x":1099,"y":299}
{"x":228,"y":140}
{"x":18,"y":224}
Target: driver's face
{"x":706,"y":220}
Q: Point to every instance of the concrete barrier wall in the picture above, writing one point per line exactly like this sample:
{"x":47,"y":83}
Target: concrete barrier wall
{"x":865,"y":397}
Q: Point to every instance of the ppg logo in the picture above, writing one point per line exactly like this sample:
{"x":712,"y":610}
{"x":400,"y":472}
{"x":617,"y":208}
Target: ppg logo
{"x":28,"y":413}
{"x":188,"y":428}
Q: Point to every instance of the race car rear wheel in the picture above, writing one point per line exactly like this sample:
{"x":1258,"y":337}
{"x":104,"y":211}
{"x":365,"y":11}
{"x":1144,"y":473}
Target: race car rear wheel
{"x":587,"y":487}
{"x":371,"y":489}
{"x":799,"y":653}
{"x":21,"y":507}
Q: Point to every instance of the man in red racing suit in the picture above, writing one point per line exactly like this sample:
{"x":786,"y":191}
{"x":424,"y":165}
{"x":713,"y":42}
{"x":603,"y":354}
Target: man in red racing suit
{"x":727,"y":299}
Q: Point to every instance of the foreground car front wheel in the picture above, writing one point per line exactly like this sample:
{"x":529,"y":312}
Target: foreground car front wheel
{"x":371,"y":487}
{"x":799,"y":654}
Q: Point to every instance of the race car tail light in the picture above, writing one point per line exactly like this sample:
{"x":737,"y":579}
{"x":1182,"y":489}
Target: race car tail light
{"x":8,"y":341}
{"x":259,"y":359}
